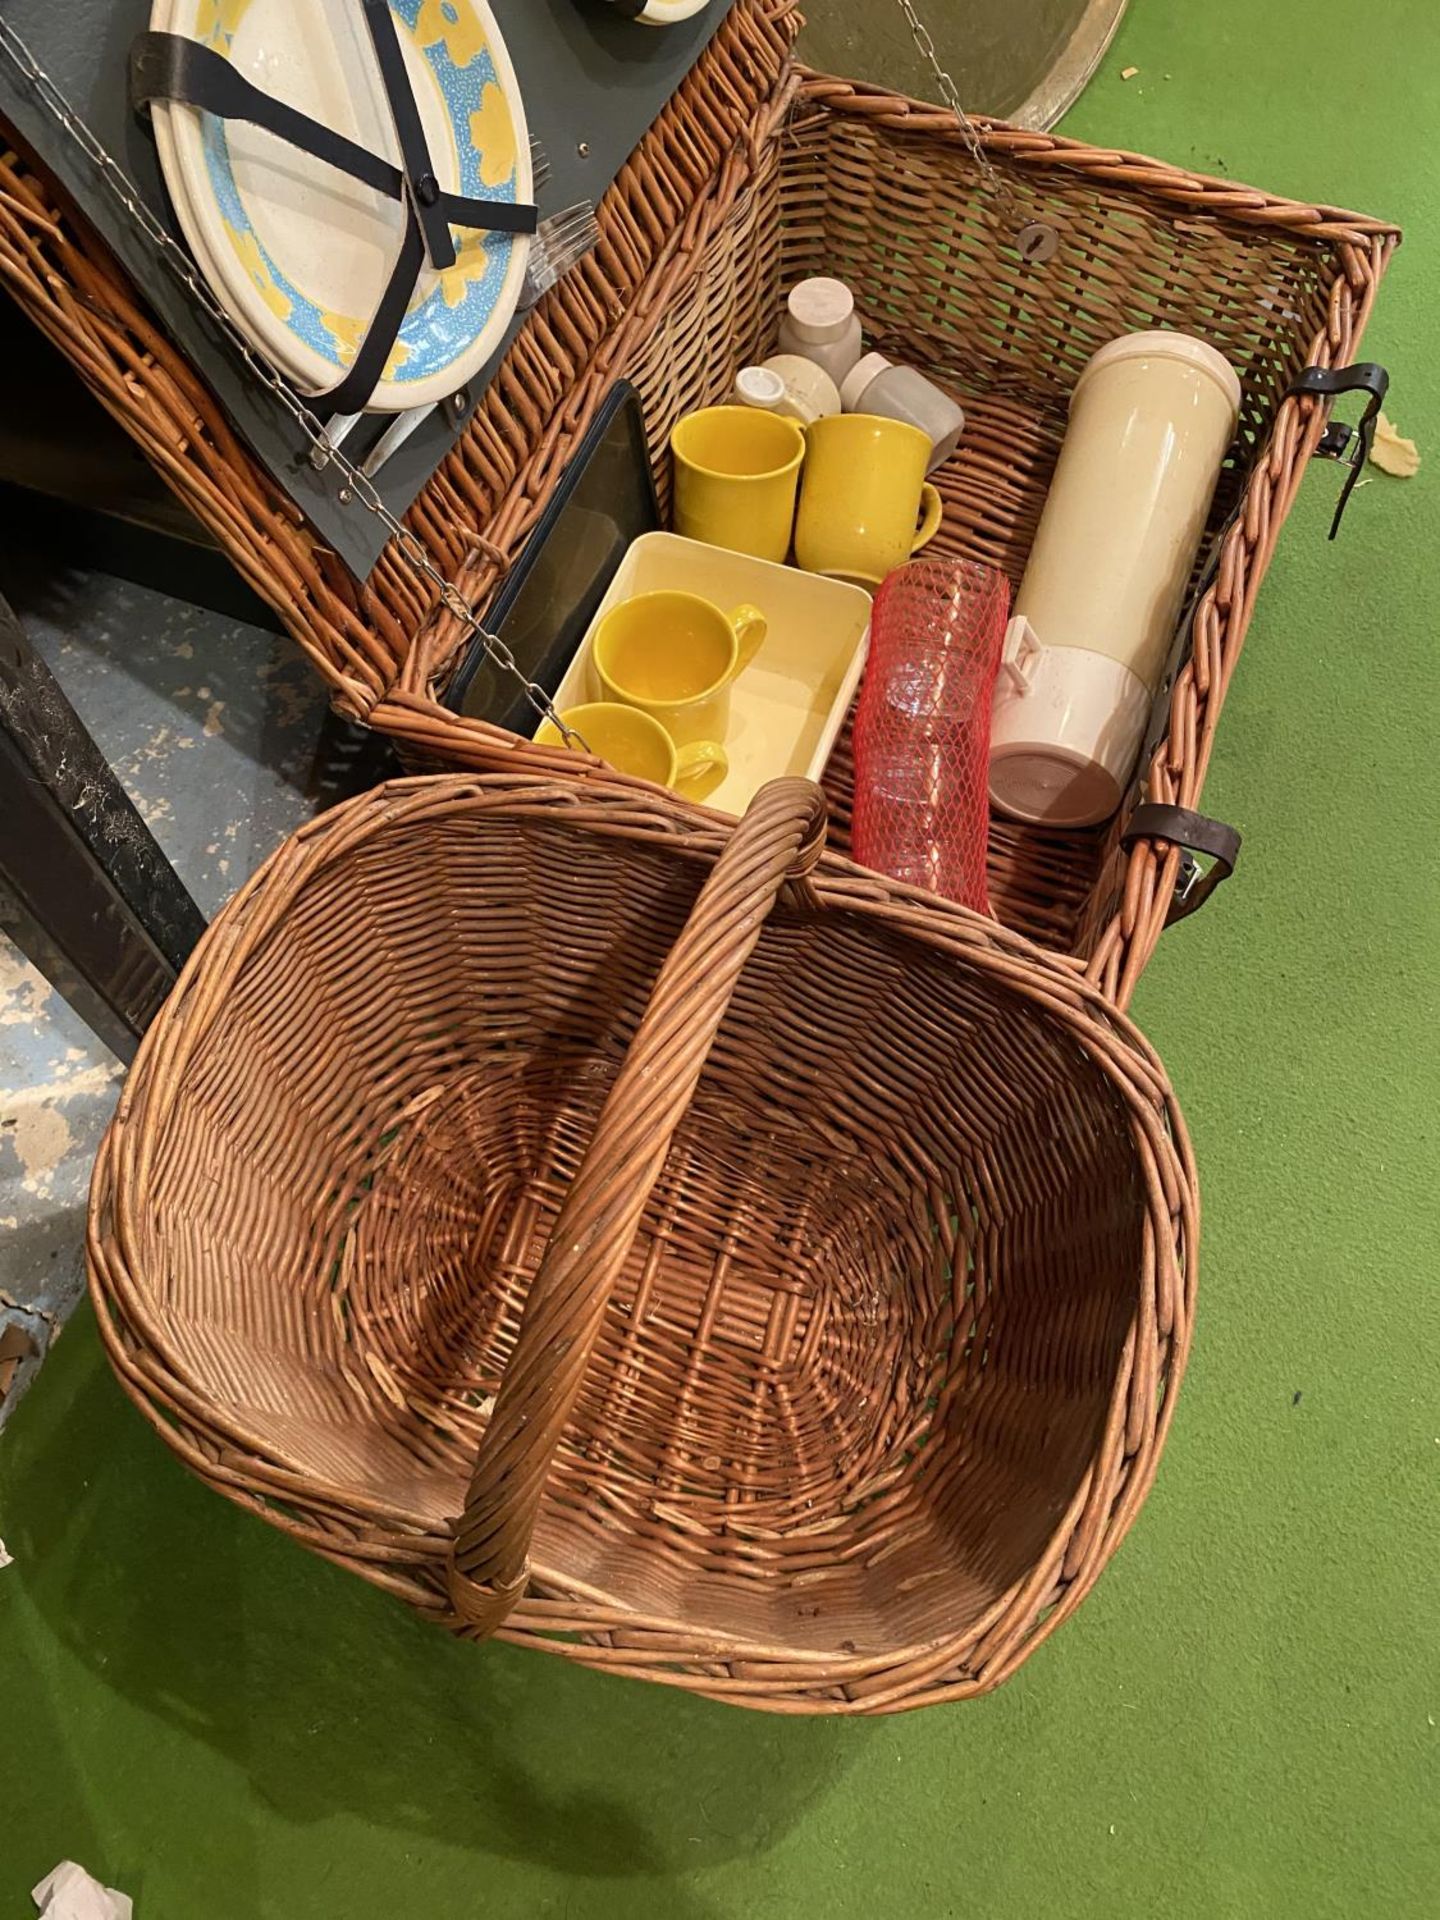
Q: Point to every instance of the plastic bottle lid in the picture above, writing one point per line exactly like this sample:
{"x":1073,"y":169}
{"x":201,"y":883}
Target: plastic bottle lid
{"x":1161,"y":344}
{"x":820,"y":309}
{"x":759,"y":387}
{"x":867,"y":368}
{"x":1065,"y":732}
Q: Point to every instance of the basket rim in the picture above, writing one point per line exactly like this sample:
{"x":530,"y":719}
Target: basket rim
{"x":1122,"y":167}
{"x":613,"y":807}
{"x":377,"y":644}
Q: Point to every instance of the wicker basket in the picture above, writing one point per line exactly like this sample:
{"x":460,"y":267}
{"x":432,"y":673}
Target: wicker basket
{"x":882,"y":193}
{"x":754,"y":175}
{"x":789,"y":1308}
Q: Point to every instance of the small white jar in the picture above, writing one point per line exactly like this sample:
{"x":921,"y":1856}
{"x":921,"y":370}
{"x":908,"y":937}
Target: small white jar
{"x":876,"y":385}
{"x":821,"y":324}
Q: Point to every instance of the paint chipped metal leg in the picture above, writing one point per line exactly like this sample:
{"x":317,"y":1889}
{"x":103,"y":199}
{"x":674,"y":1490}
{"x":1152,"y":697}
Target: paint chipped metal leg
{"x":85,"y":892}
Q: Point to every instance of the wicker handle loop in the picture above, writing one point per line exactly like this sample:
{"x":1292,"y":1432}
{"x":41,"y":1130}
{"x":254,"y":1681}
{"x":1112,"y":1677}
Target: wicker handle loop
{"x":780,"y":839}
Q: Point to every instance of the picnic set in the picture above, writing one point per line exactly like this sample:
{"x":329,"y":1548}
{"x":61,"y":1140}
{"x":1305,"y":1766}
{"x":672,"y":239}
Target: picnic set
{"x":672,"y":1182}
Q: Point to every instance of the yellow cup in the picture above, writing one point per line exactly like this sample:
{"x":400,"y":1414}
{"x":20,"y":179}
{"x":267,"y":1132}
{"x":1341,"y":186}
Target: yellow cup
{"x":865,"y":489}
{"x":634,"y":742}
{"x":736,"y":472}
{"x":673,"y":655}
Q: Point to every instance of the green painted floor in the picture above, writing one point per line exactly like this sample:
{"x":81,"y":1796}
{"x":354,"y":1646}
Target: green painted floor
{"x":1241,"y":1721}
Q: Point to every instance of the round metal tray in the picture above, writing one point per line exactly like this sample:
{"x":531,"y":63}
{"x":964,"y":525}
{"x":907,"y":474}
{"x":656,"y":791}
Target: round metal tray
{"x":1025,"y":60}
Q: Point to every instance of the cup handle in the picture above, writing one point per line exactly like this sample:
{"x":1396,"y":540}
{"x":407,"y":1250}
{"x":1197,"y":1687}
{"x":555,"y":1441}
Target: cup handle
{"x":1018,"y":654}
{"x":934,"y":508}
{"x":699,"y":768}
{"x":750,"y":627}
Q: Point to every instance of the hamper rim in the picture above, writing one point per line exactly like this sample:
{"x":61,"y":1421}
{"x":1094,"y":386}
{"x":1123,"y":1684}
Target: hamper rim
{"x":1026,"y":150}
{"x":653,"y":817}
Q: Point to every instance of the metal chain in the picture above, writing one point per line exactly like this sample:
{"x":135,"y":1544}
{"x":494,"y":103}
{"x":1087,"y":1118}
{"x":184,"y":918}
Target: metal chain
{"x":1034,"y":240}
{"x":361,"y":487}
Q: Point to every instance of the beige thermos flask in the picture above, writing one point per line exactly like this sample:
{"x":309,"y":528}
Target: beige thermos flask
{"x":1151,"y":419}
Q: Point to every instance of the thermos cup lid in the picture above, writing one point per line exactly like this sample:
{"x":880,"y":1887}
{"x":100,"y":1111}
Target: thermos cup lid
{"x":759,"y":387}
{"x":1160,"y":344}
{"x":1066,"y":727}
{"x":820,"y":308}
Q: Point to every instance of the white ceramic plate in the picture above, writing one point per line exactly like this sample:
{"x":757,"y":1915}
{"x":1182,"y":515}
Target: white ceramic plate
{"x":662,"y":13}
{"x":300,"y":254}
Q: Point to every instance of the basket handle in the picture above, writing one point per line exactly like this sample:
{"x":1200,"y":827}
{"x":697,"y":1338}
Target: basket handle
{"x":780,"y":838}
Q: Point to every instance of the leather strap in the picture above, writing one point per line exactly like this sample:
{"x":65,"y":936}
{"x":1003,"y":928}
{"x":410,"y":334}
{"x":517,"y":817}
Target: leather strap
{"x":168,"y":66}
{"x":1340,"y":442}
{"x":1196,"y":833}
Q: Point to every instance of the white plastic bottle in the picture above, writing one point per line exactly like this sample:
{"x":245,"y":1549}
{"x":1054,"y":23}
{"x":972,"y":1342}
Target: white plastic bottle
{"x":876,"y":385}
{"x":821,"y":324}
{"x":1151,"y":418}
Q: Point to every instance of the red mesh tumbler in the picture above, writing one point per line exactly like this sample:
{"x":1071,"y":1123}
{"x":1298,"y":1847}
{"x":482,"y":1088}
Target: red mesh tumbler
{"x":922,"y":729}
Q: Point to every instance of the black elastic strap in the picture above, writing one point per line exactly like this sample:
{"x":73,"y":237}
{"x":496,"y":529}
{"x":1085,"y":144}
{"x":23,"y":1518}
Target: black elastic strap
{"x":494,"y":216}
{"x":368,"y":365}
{"x":424,"y":188}
{"x":167,"y":66}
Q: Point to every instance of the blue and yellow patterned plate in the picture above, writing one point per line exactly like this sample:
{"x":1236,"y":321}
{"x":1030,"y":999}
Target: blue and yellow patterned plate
{"x":298,"y":253}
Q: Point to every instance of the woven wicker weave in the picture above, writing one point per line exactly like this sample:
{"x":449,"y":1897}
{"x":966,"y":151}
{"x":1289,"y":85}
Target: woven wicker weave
{"x":753,"y":175}
{"x":847,"y":1353}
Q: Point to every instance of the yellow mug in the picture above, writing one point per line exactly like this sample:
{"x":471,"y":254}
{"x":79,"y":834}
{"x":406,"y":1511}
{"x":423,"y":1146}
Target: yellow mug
{"x":736,"y":473}
{"x":864,"y":490}
{"x":637,"y":744}
{"x":673,"y":655}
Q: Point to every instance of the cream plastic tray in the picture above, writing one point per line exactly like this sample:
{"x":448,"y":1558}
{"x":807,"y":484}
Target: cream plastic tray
{"x":788,"y":705}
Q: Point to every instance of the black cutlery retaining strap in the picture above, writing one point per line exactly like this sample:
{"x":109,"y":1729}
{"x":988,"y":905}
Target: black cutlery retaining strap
{"x":167,"y":66}
{"x":1195,"y":833}
{"x":420,"y":182}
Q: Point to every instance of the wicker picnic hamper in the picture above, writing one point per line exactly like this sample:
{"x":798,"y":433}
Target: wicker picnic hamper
{"x":679,"y":1251}
{"x":756,"y":174}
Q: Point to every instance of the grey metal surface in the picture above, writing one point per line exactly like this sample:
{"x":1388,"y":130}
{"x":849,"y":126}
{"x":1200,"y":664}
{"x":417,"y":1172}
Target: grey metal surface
{"x":593,"y":82}
{"x":85,"y":892}
{"x":220,"y":734}
{"x":1025,"y":60}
